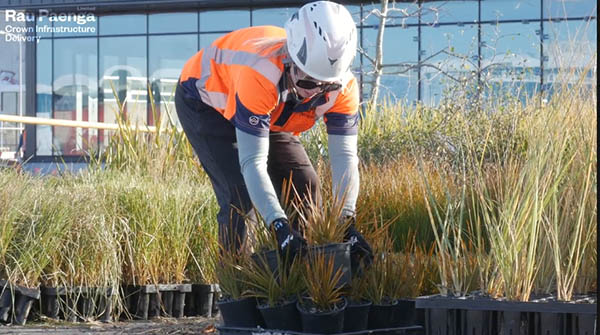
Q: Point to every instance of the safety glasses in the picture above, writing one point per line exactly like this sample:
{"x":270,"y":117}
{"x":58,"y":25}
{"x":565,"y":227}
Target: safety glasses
{"x":304,"y":81}
{"x":324,"y":86}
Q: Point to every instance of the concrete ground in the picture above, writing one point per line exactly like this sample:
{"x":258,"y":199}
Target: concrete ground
{"x":158,"y":326}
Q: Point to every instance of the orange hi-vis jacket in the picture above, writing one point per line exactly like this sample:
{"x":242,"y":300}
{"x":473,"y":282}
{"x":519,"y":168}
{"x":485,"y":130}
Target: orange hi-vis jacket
{"x":248,"y":88}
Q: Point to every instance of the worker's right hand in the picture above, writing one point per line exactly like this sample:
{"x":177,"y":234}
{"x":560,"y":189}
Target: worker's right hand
{"x":361,"y":254}
{"x":290,"y":243}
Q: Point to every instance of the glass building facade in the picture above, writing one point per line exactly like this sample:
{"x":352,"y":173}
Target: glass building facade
{"x":134,"y":57}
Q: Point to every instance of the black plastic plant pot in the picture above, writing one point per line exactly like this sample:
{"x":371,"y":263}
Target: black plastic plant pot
{"x":22,"y":307}
{"x":177,"y":310}
{"x":356,"y":316}
{"x":24,"y":298}
{"x":6,"y":300}
{"x":201,"y":300}
{"x":167,"y":303}
{"x":340,"y":252}
{"x":49,"y":301}
{"x":322,"y":323}
{"x":85,"y":307}
{"x":171,"y":299}
{"x":551,"y":323}
{"x":240,"y":313}
{"x":512,"y":323}
{"x":406,"y":314}
{"x":140,"y":304}
{"x":189,"y":308}
{"x":105,"y":304}
{"x":69,"y":312}
{"x":441,"y":321}
{"x":137,"y":300}
{"x":382,"y":315}
{"x":5,"y":294}
{"x":154,"y":304}
{"x":216,"y":297}
{"x":281,"y":317}
{"x":478,"y":322}
{"x":583,"y":324}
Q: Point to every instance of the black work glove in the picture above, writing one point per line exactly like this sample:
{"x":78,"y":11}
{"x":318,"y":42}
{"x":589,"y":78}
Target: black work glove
{"x":361,"y":254}
{"x":289,"y":241}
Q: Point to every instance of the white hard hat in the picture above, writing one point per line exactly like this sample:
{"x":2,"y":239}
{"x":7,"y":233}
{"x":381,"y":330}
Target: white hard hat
{"x":321,"y":39}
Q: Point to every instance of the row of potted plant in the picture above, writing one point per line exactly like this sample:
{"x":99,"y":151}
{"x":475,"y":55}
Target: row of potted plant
{"x":310,"y":293}
{"x":80,"y":241}
{"x":516,"y":238}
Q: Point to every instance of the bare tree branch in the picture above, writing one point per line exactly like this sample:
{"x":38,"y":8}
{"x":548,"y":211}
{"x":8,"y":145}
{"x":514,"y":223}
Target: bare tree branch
{"x":366,"y":55}
{"x":388,"y":12}
{"x":379,"y":53}
{"x":406,"y":67}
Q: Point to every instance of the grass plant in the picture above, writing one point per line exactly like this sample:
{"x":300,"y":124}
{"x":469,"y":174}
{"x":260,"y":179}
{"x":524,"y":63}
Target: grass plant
{"x":40,"y":234}
{"x":204,"y":250}
{"x":322,"y":282}
{"x":157,"y":222}
{"x":15,"y":193}
{"x":396,"y":195}
{"x":275,"y":287}
{"x":521,"y":215}
{"x":232,"y":272}
{"x":322,"y":223}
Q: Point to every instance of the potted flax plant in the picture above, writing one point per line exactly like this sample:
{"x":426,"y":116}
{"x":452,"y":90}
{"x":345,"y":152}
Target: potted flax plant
{"x":322,"y":309}
{"x":237,"y":305}
{"x":356,"y":316}
{"x":277,"y":290}
{"x":324,"y":232}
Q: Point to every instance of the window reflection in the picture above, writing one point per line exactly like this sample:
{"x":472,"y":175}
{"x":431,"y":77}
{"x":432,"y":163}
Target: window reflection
{"x":207,"y":39}
{"x":401,"y":48}
{"x":272,"y":16}
{"x":404,"y":13}
{"x":173,"y":22}
{"x":9,"y":131}
{"x":494,"y":10}
{"x":449,"y":57}
{"x":399,"y":56}
{"x":558,"y":9}
{"x":570,"y":50}
{"x":168,"y":54}
{"x":12,"y":81}
{"x":449,"y":11}
{"x":75,"y":94}
{"x":76,"y":26}
{"x":122,"y":24}
{"x":43,"y":26}
{"x":44,"y":96}
{"x":123,"y":77}
{"x":511,"y":59}
{"x":224,"y":20}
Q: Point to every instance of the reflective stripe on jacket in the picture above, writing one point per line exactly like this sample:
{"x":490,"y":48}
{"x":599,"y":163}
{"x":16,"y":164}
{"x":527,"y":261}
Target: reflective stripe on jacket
{"x":247,"y":88}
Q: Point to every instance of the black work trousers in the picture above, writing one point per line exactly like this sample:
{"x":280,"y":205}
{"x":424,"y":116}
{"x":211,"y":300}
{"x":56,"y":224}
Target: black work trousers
{"x":214,"y":141}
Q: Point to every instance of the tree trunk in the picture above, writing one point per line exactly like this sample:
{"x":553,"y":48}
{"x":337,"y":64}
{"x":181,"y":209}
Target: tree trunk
{"x":379,"y":54}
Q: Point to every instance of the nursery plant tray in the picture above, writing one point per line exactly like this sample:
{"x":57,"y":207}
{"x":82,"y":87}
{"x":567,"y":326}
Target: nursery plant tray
{"x":413,"y":330}
{"x":26,"y":291}
{"x":543,"y":304}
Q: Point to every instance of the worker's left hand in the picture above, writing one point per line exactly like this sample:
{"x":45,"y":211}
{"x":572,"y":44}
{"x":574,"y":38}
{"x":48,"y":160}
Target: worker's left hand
{"x":361,"y":254}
